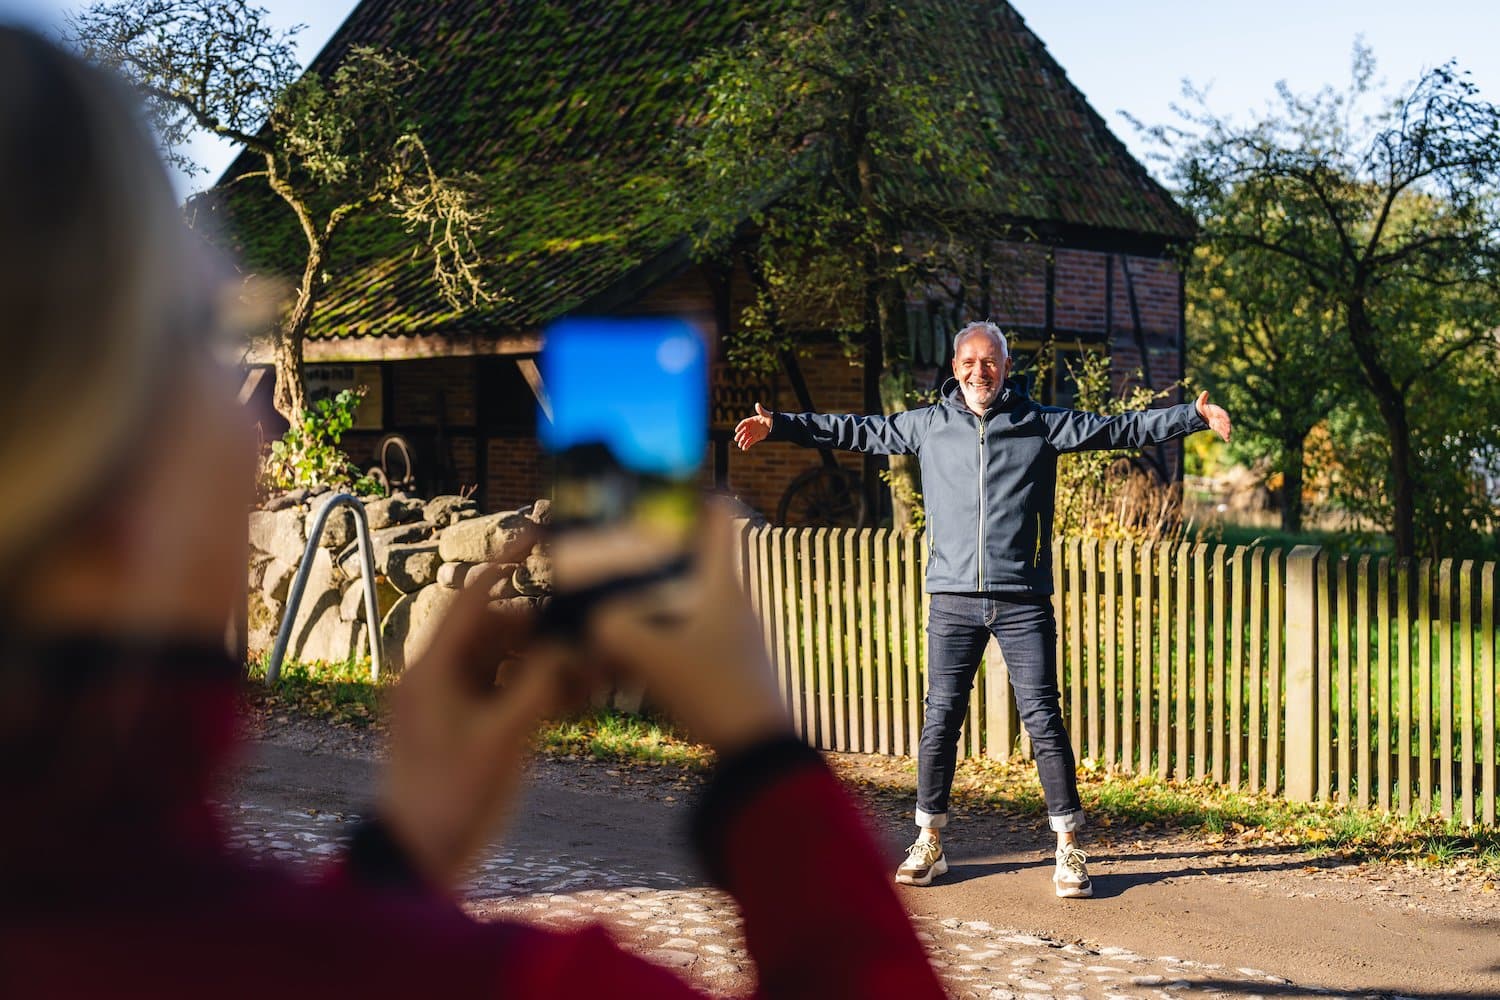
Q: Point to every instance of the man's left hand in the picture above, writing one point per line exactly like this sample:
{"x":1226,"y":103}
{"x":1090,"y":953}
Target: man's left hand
{"x":1218,"y":420}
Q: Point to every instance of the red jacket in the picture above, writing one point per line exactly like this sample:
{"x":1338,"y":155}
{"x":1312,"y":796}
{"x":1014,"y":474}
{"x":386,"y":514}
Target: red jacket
{"x":102,"y":897}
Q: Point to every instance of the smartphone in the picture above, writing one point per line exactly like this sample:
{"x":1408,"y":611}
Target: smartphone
{"x":624,"y":414}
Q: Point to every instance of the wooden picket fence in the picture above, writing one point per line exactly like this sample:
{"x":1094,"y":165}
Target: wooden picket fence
{"x":1368,"y":681}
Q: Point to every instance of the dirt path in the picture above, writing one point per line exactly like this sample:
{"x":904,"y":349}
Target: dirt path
{"x":592,"y":841}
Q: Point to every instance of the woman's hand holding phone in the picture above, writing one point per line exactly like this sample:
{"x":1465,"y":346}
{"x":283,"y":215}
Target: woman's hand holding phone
{"x":696,"y":646}
{"x":458,"y":739}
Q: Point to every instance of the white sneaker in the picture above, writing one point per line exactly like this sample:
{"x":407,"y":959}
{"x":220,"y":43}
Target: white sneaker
{"x":1072,"y":875}
{"x":924,"y":862}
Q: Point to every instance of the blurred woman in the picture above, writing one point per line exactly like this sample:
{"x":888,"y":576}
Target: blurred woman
{"x":125,"y":475}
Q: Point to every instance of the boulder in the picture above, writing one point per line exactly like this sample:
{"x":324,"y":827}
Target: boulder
{"x":338,"y":530}
{"x":514,"y":604}
{"x":401,"y":534}
{"x":392,"y":510}
{"x":457,"y":576}
{"x":410,"y":567}
{"x":315,"y":629}
{"x":629,"y":697}
{"x":505,"y":586}
{"x":541,"y":511}
{"x":534,"y":577}
{"x":285,"y":500}
{"x":381,"y":541}
{"x":347,"y":562}
{"x":504,"y":537}
{"x":352,"y":604}
{"x":278,"y":533}
{"x":261,"y":623}
{"x":393,"y":630}
{"x":409,"y":625}
{"x":257,"y":570}
{"x":453,"y":574}
{"x":329,"y":638}
{"x":445,"y":510}
{"x":276,"y":578}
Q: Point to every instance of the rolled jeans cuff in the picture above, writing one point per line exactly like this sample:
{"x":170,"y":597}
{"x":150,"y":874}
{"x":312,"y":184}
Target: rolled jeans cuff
{"x":1063,"y":822}
{"x":931,"y":821}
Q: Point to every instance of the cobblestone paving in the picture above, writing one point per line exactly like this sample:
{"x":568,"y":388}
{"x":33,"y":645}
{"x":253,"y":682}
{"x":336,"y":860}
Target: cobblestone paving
{"x":670,"y":920}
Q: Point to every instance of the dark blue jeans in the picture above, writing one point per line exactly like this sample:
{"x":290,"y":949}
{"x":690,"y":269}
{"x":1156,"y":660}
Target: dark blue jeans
{"x":958,"y":629}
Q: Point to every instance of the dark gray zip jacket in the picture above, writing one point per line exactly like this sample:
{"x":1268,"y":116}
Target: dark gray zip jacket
{"x":988,"y":484}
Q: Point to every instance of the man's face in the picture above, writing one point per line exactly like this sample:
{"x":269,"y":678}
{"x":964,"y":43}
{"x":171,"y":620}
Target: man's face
{"x":980,"y":367}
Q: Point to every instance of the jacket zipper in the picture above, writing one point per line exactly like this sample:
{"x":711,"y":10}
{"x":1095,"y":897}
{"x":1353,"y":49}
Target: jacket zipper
{"x":980,"y":586}
{"x":1036,"y":557}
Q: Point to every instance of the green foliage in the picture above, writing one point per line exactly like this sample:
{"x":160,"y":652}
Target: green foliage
{"x":341,"y":693}
{"x":856,"y":167}
{"x":616,"y":736}
{"x":331,"y":147}
{"x":308,"y":454}
{"x":1099,"y":493}
{"x":1268,"y":350}
{"x":1361,"y":244}
{"x":1337,"y":543}
{"x":1122,"y":804}
{"x":902,"y":490}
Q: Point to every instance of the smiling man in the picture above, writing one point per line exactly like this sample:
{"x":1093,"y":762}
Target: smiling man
{"x":988,"y":455}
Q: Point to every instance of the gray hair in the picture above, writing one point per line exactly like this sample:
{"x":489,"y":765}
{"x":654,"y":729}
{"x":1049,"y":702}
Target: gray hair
{"x":983,"y":327}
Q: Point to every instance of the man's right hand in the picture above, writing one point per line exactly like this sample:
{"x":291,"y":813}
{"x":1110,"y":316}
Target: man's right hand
{"x":753,"y":430}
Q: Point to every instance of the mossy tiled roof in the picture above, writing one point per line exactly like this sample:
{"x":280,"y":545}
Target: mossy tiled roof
{"x":565,"y":111}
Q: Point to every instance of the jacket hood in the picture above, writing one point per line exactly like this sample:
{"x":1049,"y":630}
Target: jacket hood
{"x":1016,"y":389}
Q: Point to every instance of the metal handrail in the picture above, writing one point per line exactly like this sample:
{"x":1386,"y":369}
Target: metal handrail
{"x":367,"y":576}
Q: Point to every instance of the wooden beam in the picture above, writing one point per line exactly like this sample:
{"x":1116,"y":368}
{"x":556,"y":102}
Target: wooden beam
{"x":533,"y":376}
{"x":417,"y":346}
{"x":252,"y":382}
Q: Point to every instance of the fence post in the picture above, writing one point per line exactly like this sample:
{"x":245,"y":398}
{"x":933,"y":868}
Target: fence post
{"x":1301,"y":687}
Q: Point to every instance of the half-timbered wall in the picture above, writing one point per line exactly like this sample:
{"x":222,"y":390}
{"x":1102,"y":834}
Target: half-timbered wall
{"x":470,"y":419}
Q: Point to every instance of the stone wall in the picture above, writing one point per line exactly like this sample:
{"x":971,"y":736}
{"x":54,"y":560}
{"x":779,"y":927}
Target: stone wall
{"x":424,"y":551}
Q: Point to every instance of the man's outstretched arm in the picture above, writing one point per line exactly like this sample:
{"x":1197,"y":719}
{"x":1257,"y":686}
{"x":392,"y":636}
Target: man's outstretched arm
{"x":898,"y":434}
{"x":1075,"y":430}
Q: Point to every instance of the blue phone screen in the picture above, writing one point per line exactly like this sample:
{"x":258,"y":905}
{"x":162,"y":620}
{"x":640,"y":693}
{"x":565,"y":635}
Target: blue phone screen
{"x":637,"y":386}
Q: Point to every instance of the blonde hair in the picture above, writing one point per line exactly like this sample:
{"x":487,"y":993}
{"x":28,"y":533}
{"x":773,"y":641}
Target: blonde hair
{"x":96,"y":282}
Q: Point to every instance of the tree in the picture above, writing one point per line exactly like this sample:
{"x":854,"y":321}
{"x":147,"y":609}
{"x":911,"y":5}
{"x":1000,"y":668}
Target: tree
{"x":1268,"y":349}
{"x":1390,"y":220}
{"x":829,"y":158}
{"x":331,"y":146}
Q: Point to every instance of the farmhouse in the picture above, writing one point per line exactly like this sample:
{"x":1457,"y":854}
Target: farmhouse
{"x":564,"y":112}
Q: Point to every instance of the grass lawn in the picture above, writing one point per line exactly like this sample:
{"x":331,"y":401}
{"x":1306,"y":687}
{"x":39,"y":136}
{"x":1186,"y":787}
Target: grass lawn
{"x":343,"y":694}
{"x":1347,"y":543}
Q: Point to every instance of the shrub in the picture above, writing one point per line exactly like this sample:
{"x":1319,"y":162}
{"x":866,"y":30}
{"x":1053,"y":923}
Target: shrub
{"x":308,"y":454}
{"x":1103,"y":494}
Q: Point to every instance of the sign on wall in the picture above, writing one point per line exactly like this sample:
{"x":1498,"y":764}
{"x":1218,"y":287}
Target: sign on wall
{"x":327,"y":381}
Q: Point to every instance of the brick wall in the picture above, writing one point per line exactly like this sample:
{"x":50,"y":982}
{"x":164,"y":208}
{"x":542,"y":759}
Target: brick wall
{"x":1018,"y":296}
{"x":420,"y":388}
{"x":761,"y":475}
{"x":518,"y":473}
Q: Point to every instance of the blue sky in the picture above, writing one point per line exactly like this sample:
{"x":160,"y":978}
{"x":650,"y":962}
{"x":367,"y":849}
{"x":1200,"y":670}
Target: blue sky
{"x":1130,"y":56}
